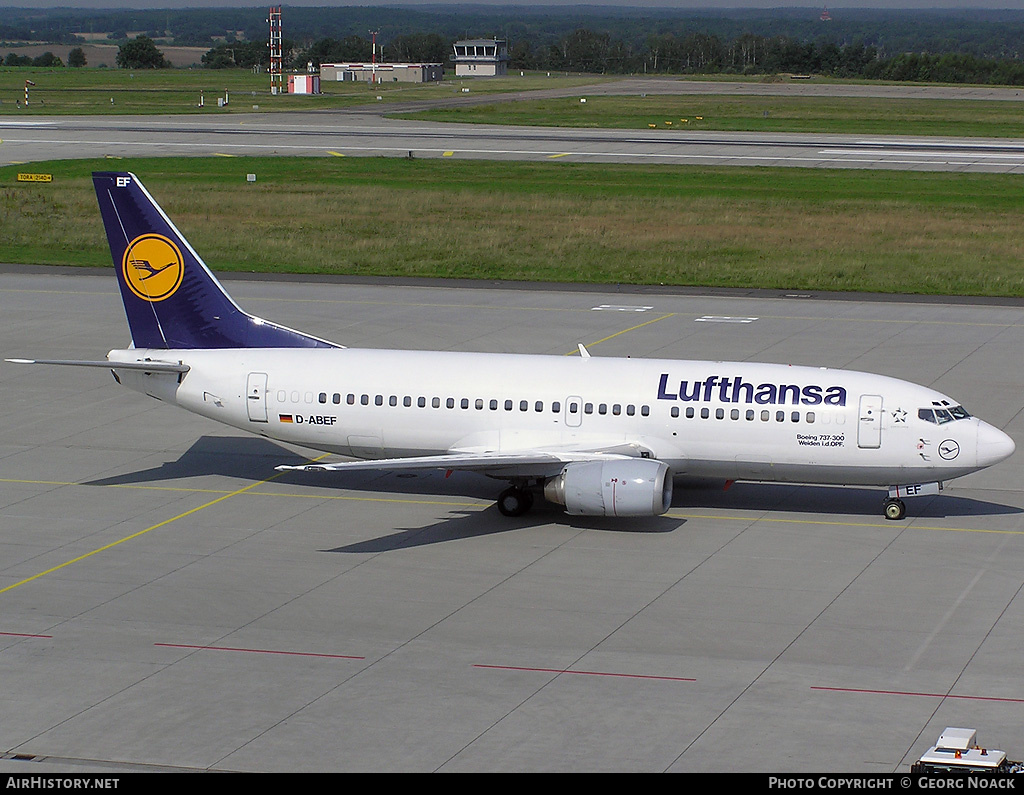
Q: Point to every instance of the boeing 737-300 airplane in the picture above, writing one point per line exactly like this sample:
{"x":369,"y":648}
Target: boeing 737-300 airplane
{"x":600,"y":436}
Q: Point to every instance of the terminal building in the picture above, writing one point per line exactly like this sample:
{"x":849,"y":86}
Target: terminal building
{"x":481,"y":58}
{"x":382,"y":72}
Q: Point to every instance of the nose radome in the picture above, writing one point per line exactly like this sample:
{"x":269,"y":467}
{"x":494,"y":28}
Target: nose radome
{"x":993,"y":445}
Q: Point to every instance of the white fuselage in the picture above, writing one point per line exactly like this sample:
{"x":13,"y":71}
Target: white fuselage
{"x":731,"y":420}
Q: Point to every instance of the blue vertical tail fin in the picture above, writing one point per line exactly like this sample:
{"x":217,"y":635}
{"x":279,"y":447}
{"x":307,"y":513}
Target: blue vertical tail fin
{"x":171,"y":299}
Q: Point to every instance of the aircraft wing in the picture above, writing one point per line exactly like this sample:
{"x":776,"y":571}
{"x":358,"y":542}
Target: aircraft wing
{"x":526,"y":463}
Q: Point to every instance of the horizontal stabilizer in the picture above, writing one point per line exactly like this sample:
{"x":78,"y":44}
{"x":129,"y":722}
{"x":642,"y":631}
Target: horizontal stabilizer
{"x":148,"y":367}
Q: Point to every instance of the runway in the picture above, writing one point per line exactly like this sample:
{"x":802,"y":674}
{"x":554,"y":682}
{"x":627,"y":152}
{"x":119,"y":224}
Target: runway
{"x":369,"y":132}
{"x":169,"y":601}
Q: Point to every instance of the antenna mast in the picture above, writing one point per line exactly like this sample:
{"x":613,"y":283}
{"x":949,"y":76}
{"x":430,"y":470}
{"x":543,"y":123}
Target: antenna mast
{"x":275,"y":49}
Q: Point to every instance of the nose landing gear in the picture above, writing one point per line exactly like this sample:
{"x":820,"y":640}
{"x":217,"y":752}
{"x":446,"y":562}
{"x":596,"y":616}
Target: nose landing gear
{"x":894,"y":509}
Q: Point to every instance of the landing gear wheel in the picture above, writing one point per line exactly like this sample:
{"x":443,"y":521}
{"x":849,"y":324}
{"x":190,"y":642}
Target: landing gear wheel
{"x":894,"y":509}
{"x":514,"y":502}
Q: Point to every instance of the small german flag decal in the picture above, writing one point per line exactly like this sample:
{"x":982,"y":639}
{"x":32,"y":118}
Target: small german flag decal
{"x":285,"y":417}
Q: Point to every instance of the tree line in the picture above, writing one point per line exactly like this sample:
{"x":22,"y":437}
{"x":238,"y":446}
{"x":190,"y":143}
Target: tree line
{"x":589,"y":51}
{"x":751,"y":54}
{"x":46,"y":60}
{"x":406,"y":48}
{"x":994,"y":33}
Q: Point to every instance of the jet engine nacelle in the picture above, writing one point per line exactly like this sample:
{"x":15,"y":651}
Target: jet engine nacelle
{"x":635,"y":487}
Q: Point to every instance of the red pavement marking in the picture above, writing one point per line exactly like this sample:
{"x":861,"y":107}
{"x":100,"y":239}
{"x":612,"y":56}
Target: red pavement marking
{"x":585,"y":673}
{"x":912,"y":693}
{"x":260,"y":651}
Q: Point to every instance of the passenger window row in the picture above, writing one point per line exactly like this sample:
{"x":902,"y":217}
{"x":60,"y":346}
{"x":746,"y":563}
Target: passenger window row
{"x":749,"y":415}
{"x":573,"y":406}
{"x":435,"y":402}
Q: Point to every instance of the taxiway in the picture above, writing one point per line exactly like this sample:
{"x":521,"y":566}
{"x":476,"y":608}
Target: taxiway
{"x":169,"y":601}
{"x":369,"y":131}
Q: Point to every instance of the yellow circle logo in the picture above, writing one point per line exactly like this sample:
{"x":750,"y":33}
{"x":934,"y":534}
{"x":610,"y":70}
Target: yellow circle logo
{"x":152,"y":267}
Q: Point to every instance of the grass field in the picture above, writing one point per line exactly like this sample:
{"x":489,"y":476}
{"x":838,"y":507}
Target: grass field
{"x":679,"y":113}
{"x":801,"y":229}
{"x":148,"y":91}
{"x":121,"y":91}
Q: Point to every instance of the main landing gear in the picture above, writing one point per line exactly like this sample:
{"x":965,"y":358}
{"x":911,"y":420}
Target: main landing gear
{"x":515,"y":501}
{"x":894,"y":509}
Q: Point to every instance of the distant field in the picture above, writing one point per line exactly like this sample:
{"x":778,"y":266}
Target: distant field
{"x":675,"y":113}
{"x":802,"y":229}
{"x":100,"y":52}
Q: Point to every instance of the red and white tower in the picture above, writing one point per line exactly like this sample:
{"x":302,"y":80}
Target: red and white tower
{"x":373,"y":67}
{"x":275,"y":49}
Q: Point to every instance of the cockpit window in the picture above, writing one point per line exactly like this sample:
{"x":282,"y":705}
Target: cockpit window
{"x":940,"y":416}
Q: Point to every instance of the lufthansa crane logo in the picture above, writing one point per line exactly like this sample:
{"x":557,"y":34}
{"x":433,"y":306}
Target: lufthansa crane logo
{"x":152,"y":267}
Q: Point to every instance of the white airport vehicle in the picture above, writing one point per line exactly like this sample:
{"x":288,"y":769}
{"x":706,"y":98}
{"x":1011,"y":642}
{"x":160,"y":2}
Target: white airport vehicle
{"x":957,"y":751}
{"x":600,"y":436}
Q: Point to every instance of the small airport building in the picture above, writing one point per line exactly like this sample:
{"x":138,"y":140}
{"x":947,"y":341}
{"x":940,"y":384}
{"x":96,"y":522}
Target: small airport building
{"x":303,"y":84}
{"x":382,"y":72}
{"x":481,"y":58}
